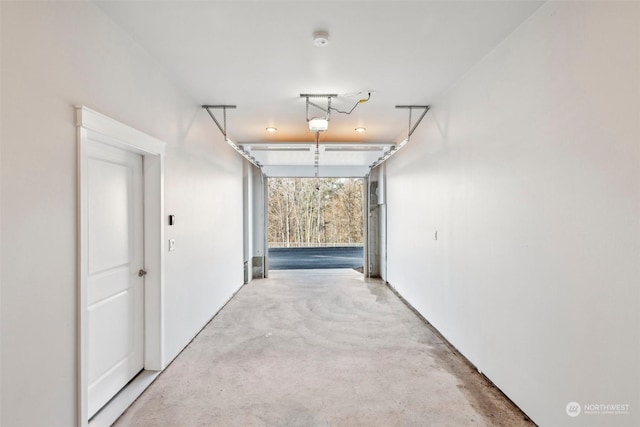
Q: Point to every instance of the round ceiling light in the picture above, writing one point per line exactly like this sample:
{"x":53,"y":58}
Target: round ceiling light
{"x":320,"y":38}
{"x":271,"y":129}
{"x":360,"y":130}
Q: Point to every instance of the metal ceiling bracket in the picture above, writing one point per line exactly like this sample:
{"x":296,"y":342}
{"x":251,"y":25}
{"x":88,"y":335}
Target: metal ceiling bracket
{"x":411,"y":108}
{"x":224,"y":108}
{"x":412,"y":127}
{"x":223,"y":128}
{"x":326,"y":111}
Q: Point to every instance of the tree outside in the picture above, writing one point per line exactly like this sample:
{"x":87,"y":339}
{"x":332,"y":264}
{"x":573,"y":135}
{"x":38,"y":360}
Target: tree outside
{"x":306,"y":212}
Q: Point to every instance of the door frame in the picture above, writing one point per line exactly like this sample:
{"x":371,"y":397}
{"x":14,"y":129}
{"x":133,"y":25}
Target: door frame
{"x":96,"y":127}
{"x":375,"y":224}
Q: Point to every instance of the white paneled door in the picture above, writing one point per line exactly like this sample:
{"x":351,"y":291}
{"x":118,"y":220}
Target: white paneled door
{"x":115,"y":271}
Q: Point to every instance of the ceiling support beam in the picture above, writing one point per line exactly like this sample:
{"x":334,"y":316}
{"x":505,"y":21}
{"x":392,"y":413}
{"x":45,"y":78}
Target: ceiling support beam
{"x":223,"y":127}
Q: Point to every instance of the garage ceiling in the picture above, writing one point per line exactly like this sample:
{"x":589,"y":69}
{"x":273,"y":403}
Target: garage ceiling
{"x":259,"y":56}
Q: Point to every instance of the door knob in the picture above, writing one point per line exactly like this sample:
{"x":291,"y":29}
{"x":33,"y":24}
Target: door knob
{"x":142,"y":272}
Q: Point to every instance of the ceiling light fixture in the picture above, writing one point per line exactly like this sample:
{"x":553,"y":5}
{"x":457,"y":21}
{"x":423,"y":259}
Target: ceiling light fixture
{"x":271,"y":129}
{"x":354,"y":148}
{"x":270,"y":148}
{"x":360,"y":129}
{"x":320,"y":38}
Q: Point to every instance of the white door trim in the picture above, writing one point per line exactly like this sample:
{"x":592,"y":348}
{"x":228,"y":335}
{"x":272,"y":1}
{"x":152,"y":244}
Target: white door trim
{"x":97,"y":127}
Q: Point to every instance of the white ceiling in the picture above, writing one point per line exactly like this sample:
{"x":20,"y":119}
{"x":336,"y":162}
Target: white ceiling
{"x":259,"y":56}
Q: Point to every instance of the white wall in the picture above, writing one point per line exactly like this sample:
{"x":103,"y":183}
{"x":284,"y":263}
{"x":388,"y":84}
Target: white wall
{"x":529,"y":169}
{"x":56,"y":55}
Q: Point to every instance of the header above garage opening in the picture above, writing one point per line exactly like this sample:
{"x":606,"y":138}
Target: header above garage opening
{"x":337,"y":159}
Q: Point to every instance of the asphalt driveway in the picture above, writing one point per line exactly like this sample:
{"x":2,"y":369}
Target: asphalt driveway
{"x":312,"y":258}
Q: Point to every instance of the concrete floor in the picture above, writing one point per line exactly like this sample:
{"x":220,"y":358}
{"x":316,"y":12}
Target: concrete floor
{"x":319,"y":348}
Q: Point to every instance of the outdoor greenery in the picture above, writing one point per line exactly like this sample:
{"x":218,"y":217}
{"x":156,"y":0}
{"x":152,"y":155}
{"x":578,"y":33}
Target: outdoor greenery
{"x":315,"y":212}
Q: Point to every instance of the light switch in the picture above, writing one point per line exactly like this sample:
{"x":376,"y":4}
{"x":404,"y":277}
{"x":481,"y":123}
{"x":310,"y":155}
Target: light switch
{"x":172,"y":245}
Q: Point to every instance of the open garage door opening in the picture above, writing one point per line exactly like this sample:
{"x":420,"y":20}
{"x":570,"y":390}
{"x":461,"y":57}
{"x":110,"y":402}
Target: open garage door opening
{"x":315,"y":223}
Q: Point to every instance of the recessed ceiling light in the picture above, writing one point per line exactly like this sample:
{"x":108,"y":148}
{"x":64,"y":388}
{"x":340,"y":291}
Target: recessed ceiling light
{"x":360,"y":130}
{"x":271,"y":129}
